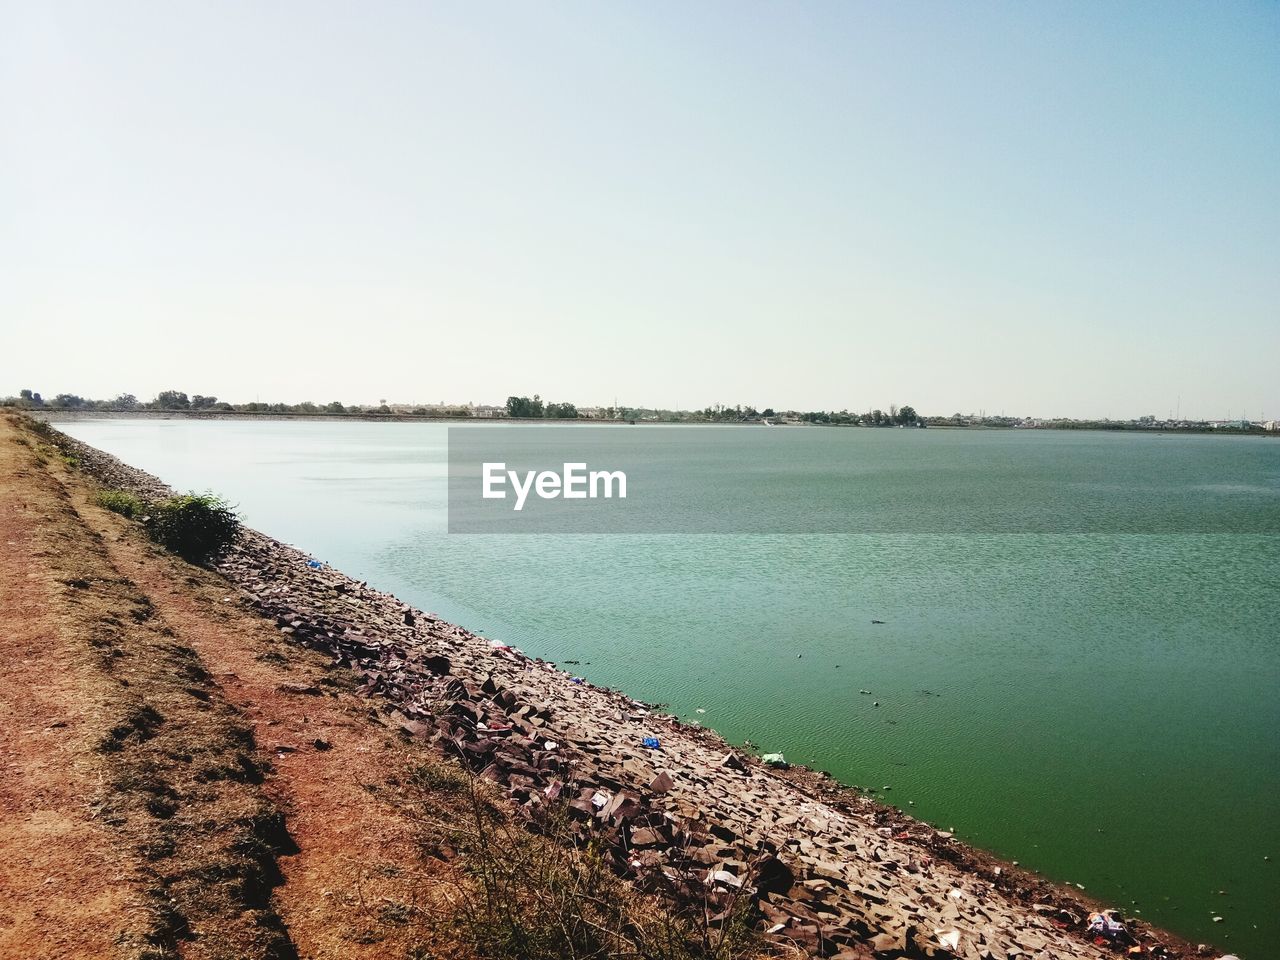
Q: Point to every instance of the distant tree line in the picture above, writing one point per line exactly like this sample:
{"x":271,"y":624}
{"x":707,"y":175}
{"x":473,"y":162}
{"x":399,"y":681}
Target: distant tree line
{"x":895,"y":416}
{"x":535,"y":409}
{"x":517,"y":407}
{"x":179,"y":400}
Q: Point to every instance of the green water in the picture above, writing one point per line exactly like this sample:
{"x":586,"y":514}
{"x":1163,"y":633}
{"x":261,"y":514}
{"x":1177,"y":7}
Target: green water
{"x":1101,"y":707}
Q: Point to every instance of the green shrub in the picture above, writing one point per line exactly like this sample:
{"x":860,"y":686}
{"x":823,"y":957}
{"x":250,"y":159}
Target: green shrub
{"x":197,"y":527}
{"x":125,"y":504}
{"x":41,"y":428}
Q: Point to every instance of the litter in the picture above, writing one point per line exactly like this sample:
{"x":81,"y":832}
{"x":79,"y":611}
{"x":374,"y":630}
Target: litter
{"x":1106,"y":926}
{"x":652,"y":743}
{"x":600,"y":799}
{"x":550,"y":745}
{"x":774,"y":760}
{"x":575,"y":679}
{"x":725,"y":877}
{"x":950,"y":939}
{"x":315,"y":564}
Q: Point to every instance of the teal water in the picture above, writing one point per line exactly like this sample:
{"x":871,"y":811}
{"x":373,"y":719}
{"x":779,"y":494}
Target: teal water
{"x":1101,"y":707}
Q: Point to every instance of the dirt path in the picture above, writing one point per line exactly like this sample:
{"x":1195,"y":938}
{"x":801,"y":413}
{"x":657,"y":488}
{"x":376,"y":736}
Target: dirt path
{"x":63,"y":880}
{"x":174,"y":780}
{"x":333,"y":765}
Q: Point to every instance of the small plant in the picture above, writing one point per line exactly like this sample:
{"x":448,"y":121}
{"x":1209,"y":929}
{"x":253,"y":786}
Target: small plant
{"x":442,"y":778}
{"x":197,"y":527}
{"x":123,"y":503}
{"x":41,"y":428}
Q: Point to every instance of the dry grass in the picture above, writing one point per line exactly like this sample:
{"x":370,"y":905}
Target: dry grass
{"x":533,"y":889}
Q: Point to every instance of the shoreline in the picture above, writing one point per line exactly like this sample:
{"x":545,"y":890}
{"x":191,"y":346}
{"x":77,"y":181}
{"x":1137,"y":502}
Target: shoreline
{"x":54,"y":416}
{"x":833,"y":872}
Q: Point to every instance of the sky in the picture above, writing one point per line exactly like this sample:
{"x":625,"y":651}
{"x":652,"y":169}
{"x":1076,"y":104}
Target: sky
{"x":1050,"y":209}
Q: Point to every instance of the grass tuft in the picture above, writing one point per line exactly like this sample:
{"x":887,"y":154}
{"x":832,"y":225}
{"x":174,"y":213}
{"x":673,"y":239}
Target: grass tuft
{"x":123,"y":503}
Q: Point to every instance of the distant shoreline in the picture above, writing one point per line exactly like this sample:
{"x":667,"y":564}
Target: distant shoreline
{"x":67,"y":415}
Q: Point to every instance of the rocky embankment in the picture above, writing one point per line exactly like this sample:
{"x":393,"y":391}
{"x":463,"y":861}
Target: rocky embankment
{"x":678,"y":810}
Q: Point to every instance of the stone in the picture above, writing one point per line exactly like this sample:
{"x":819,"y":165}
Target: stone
{"x":661,"y":783}
{"x":644,"y":837}
{"x":304,"y":689}
{"x":733,"y":761}
{"x":437,"y":664}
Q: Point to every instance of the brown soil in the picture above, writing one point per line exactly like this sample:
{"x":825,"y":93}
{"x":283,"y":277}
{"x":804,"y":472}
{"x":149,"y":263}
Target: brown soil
{"x":163,"y":791}
{"x":66,"y":889}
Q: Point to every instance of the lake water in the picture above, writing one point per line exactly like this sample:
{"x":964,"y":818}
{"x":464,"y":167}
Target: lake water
{"x":1101,"y":707}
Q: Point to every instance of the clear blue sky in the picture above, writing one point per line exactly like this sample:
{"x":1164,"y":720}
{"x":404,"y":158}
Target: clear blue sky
{"x":1049,"y":208}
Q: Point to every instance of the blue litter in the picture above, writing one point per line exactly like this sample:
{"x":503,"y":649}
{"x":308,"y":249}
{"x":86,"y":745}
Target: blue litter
{"x":575,"y":679}
{"x":652,"y":743}
{"x":315,"y":564}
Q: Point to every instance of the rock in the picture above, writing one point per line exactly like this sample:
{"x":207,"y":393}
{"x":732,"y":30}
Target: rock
{"x":661,"y":783}
{"x":888,"y":943}
{"x":721,"y":832}
{"x":733,"y":761}
{"x":644,"y":837}
{"x":304,"y":689}
{"x":438,"y":664}
{"x":774,"y":876}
